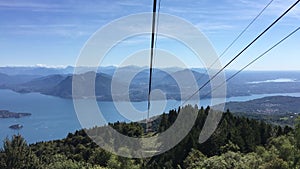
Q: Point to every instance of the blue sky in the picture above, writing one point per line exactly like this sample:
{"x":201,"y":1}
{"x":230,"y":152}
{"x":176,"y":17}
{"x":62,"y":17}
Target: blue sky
{"x":52,"y":32}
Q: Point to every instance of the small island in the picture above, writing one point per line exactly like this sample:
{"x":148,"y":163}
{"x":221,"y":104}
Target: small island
{"x":8,"y":114}
{"x":16,"y":126}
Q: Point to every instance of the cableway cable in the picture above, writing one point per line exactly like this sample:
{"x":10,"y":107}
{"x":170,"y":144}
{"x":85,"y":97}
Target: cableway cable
{"x":250,"y":63}
{"x":242,"y":51}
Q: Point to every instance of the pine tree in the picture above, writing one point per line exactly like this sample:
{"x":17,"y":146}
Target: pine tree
{"x":17,"y":154}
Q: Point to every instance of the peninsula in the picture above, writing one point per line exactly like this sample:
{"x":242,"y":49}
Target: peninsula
{"x":8,"y":114}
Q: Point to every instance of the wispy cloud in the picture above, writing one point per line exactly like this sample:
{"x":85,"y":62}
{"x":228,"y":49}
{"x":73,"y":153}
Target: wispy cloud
{"x":214,"y":27}
{"x":276,"y":8}
{"x":134,"y":3}
{"x":62,"y":30}
{"x":27,"y":4}
{"x":230,"y":15}
{"x":34,"y":6}
{"x":280,"y":6}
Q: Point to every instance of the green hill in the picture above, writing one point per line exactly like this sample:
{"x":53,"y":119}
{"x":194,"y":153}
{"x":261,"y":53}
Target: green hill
{"x":279,"y":110}
{"x":267,"y":105}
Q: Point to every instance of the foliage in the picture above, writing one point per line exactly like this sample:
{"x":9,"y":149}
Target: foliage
{"x":238,"y":142}
{"x":17,"y":155}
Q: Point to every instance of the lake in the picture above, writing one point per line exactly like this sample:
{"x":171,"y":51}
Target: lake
{"x":53,"y":117}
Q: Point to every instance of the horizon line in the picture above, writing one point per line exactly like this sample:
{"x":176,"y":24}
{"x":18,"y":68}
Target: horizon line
{"x":115,"y":66}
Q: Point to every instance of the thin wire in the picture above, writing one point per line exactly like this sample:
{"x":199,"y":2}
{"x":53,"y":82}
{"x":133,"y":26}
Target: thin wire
{"x":151,"y":59}
{"x":154,"y":53}
{"x":261,"y":55}
{"x":242,"y":51}
{"x":157,"y":23}
{"x":244,"y":30}
{"x":230,"y":45}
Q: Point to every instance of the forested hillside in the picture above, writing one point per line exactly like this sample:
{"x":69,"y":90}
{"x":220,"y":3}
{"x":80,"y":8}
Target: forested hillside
{"x":278,"y":110}
{"x":238,"y":142}
{"x":267,"y":105}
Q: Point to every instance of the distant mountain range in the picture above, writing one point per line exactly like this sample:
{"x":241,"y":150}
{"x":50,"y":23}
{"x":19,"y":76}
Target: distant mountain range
{"x":35,"y":70}
{"x":58,"y":81}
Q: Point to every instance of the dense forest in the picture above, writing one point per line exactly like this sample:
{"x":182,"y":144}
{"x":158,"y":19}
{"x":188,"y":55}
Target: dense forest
{"x":238,"y":142}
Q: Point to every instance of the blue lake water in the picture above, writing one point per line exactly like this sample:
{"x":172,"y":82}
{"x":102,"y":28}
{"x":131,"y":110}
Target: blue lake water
{"x":53,"y":117}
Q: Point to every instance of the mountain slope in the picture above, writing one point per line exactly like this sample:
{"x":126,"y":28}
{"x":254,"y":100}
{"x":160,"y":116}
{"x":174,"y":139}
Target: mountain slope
{"x":8,"y":81}
{"x":102,"y":86}
{"x":42,"y":84}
